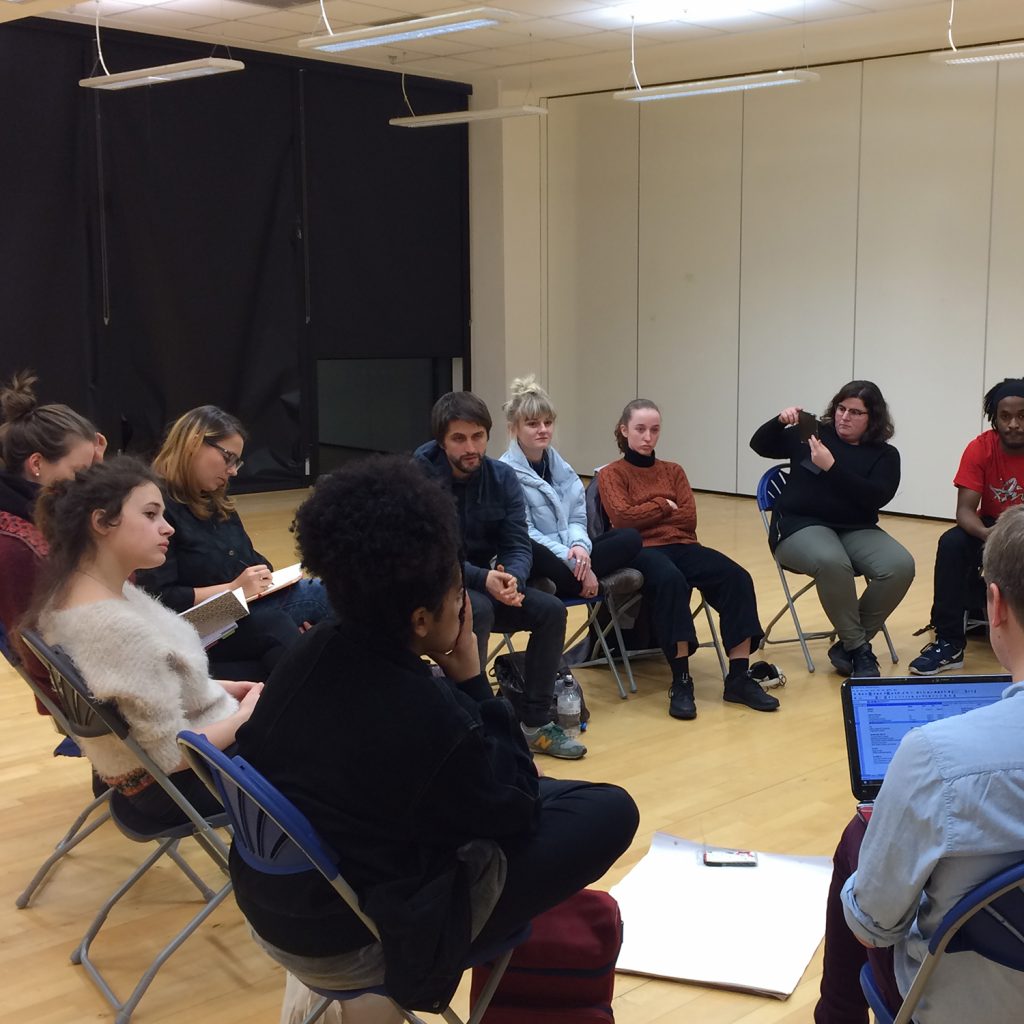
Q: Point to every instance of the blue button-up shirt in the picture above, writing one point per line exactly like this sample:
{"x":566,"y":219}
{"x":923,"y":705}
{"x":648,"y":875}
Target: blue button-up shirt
{"x":949,"y":815}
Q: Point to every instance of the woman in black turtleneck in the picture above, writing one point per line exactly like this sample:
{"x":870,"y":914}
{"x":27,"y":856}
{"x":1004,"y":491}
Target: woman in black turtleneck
{"x":39,"y":444}
{"x":825,"y":522}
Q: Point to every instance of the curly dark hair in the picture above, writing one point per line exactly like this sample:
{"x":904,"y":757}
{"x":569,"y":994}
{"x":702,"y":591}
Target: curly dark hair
{"x":880,"y":425}
{"x":458,"y":405}
{"x":384,"y":539}
{"x":1007,"y":387}
{"x":63,"y":513}
{"x":627,"y":415}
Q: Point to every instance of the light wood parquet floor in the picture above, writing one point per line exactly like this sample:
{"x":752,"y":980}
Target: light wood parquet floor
{"x":733,"y":777}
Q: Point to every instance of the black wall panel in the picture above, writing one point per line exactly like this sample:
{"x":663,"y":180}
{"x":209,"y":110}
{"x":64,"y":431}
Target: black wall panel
{"x":204,"y":241}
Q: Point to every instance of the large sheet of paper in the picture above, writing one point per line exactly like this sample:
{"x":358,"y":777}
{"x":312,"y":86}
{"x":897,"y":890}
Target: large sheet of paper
{"x":753,"y":928}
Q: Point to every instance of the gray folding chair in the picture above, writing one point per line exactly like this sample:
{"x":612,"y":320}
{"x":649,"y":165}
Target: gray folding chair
{"x":87,"y":718}
{"x":86,"y":823}
{"x":769,"y":487}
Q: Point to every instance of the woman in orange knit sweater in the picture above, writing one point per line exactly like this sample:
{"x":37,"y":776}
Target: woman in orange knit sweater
{"x":655,"y":498}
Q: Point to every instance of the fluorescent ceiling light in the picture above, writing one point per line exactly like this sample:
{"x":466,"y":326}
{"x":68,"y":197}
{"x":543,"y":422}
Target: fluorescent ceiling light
{"x":405,"y":31}
{"x":980,"y":54}
{"x":714,"y":85}
{"x":163,"y":73}
{"x":466,"y":116}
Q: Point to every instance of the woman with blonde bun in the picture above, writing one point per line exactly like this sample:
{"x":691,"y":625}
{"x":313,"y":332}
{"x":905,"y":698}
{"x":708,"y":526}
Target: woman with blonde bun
{"x":556,"y":508}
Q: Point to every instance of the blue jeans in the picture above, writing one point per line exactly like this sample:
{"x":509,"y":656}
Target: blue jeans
{"x":306,"y":601}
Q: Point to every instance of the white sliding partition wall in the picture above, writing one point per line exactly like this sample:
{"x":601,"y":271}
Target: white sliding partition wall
{"x":800,"y":153}
{"x":922,"y":261}
{"x":1004,"y":355}
{"x":688,"y":317}
{"x":592,"y":271}
{"x":731,"y":255}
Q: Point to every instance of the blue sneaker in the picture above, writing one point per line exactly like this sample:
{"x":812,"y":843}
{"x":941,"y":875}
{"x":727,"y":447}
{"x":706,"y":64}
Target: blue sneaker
{"x":938,"y":656}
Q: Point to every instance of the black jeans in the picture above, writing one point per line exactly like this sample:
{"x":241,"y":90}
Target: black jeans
{"x":257,"y":644}
{"x":957,"y":582}
{"x":543,"y":616}
{"x":673,"y":571}
{"x":612,"y":550}
{"x":582,"y":829}
{"x":156,"y":805}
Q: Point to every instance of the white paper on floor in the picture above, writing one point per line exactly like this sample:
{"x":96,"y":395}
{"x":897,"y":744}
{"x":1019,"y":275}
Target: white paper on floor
{"x":753,"y":928}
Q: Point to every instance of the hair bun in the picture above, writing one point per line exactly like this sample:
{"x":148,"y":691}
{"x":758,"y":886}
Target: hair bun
{"x":18,"y":399}
{"x":524,"y":386}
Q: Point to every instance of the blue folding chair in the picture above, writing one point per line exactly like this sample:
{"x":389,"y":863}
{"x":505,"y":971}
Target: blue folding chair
{"x":769,"y":487}
{"x":88,"y":717}
{"x":85,"y":824}
{"x":988,"y":921}
{"x":274,"y":837}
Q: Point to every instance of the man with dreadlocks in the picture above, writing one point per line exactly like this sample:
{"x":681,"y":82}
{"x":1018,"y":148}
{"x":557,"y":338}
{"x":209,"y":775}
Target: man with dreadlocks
{"x":990,"y":479}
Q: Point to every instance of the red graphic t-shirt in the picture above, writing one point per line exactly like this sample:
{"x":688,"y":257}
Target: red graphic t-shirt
{"x":997,"y":476}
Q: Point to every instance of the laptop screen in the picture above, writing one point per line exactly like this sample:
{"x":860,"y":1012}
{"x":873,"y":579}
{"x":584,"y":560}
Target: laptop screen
{"x":878,"y":713}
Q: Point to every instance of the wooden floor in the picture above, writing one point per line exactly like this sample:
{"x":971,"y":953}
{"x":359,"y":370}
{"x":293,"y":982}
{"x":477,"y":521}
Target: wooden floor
{"x":733,"y":777}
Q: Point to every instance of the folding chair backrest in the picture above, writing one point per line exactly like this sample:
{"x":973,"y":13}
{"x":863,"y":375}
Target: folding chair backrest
{"x":270,"y":833}
{"x":7,"y":650}
{"x":995,"y":927}
{"x":85,"y":716}
{"x":772,"y":483}
{"x":597,"y":519}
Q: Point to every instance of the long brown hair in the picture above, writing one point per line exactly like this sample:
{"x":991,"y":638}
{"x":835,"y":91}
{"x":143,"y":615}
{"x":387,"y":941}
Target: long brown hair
{"x":63,"y":514}
{"x":29,"y":427}
{"x":173,"y":463}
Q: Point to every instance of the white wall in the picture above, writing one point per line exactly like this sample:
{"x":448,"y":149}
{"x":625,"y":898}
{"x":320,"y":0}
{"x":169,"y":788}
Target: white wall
{"x":729,"y":255}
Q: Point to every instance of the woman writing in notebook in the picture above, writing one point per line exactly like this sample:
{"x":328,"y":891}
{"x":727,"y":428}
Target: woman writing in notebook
{"x":211,"y":552}
{"x":101,"y":527}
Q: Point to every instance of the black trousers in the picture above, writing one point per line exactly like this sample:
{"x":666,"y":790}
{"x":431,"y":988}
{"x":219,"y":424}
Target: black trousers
{"x":612,"y":550}
{"x":543,"y":616}
{"x":957,"y":582}
{"x":582,"y":829}
{"x":154,"y":803}
{"x":673,"y":571}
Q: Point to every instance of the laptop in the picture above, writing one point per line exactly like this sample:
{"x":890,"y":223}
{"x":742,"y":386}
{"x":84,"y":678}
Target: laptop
{"x":878,"y":713}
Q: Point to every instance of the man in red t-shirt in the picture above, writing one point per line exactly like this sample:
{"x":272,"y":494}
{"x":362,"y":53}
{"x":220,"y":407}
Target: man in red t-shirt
{"x":990,"y":479}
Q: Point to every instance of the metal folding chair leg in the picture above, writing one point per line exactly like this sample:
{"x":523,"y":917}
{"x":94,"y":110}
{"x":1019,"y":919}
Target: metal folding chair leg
{"x":78,"y":831}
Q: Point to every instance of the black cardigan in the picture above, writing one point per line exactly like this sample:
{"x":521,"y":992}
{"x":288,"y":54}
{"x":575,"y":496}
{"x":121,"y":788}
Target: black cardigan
{"x":863,"y":480}
{"x":202,"y":553}
{"x":396,"y":769}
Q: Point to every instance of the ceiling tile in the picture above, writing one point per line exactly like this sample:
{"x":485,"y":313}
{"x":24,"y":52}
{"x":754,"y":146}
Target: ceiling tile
{"x":289,"y":21}
{"x":221,"y":10}
{"x":157,"y":17}
{"x":246,"y":31}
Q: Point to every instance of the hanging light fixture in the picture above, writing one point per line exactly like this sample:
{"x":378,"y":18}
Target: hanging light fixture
{"x":980,"y":54}
{"x":405,"y":31}
{"x":740,"y":83}
{"x":156,"y":75}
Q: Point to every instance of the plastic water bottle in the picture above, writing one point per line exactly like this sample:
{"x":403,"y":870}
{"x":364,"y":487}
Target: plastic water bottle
{"x":569,"y":706}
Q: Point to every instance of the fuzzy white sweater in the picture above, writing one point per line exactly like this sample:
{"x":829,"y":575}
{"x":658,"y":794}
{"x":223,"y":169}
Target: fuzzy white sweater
{"x":151,"y":663}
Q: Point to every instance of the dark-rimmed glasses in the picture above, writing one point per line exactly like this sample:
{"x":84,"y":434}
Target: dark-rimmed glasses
{"x":231,"y":460}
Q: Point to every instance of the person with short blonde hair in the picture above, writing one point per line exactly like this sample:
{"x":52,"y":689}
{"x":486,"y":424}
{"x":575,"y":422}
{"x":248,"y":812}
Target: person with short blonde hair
{"x":556,"y":507}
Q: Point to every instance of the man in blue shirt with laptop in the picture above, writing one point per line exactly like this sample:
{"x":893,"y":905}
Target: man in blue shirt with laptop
{"x":949,"y":815}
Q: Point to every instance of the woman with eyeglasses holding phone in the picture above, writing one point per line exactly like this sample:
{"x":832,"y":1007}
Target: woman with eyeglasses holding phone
{"x":210,"y":551}
{"x":842,"y":471}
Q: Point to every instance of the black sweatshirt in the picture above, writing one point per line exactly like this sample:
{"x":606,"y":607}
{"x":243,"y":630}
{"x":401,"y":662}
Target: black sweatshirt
{"x":863,"y":480}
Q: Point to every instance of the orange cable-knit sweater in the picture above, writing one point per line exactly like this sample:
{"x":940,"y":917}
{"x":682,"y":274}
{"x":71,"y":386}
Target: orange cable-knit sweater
{"x":637,"y":496}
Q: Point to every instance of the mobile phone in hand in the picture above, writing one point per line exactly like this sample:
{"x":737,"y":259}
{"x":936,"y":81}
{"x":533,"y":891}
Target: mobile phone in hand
{"x":808,"y":425}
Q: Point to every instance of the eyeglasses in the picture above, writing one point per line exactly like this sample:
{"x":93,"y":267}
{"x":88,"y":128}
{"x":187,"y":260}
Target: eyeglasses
{"x":845,"y":410}
{"x":231,"y":460}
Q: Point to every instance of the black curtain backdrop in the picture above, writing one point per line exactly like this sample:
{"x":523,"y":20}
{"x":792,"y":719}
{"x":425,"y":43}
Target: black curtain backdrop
{"x":204,"y":241}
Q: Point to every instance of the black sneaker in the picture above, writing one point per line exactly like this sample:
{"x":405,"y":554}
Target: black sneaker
{"x":865,"y":664}
{"x":680,"y":699}
{"x":840,"y":658}
{"x":744,"y":689}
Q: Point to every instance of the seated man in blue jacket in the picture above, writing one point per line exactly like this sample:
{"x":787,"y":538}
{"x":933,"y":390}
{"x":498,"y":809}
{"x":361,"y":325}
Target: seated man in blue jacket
{"x":492,"y":519}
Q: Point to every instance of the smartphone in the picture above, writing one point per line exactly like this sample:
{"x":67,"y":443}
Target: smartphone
{"x":808,"y":425}
{"x":714,"y":858}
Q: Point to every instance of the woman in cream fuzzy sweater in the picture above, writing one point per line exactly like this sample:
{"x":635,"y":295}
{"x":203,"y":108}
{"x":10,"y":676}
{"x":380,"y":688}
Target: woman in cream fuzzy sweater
{"x":101,"y":527}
